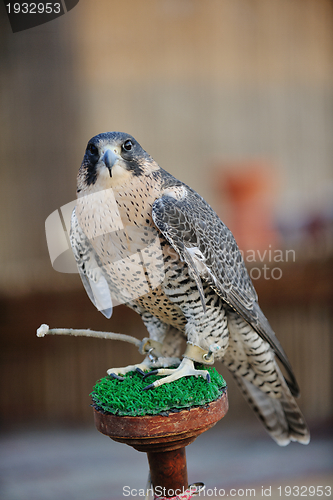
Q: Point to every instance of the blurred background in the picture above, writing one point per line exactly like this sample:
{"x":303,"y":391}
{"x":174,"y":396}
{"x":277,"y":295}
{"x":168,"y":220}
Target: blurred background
{"x":235,"y":98}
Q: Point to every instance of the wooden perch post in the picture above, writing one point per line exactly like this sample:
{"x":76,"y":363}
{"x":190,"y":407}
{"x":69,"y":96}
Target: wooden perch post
{"x":164,"y":438}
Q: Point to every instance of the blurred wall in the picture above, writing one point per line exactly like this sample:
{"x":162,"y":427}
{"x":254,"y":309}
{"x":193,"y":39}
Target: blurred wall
{"x":201,"y":85}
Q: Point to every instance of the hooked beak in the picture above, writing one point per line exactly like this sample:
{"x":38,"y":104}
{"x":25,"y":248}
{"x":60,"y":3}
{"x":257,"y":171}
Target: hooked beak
{"x":109,"y":158}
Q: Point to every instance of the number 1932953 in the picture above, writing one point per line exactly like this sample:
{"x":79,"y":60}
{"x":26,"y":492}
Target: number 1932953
{"x":305,"y":491}
{"x":34,"y":8}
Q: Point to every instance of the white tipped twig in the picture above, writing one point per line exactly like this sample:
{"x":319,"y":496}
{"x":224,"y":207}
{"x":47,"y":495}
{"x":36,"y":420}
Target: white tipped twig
{"x":45,"y":330}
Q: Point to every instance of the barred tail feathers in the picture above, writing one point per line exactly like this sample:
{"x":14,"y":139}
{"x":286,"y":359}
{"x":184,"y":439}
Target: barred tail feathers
{"x":281,"y":417}
{"x":252,"y":362}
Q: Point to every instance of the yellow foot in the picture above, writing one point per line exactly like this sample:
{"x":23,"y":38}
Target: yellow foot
{"x":185,"y":369}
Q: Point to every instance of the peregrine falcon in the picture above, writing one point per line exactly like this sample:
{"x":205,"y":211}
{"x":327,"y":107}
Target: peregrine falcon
{"x":143,"y":238}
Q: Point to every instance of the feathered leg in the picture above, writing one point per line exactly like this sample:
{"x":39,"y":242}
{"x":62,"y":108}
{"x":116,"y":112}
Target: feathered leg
{"x":168,"y":355}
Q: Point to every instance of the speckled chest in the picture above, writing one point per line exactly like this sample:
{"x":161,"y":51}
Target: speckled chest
{"x":118,"y":220}
{"x":135,"y":256}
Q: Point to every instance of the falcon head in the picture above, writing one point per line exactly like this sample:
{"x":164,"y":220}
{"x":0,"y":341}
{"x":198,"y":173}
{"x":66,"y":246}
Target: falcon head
{"x":112,"y":159}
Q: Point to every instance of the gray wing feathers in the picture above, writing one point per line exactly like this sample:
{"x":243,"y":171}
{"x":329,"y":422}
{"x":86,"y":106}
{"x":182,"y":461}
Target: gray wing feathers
{"x":202,"y":240}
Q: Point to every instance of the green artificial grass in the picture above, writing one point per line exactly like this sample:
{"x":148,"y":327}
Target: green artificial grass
{"x":127,"y":397}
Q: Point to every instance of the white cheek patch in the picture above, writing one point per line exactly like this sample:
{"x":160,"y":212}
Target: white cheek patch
{"x":103,"y":173}
{"x":119,"y":174}
{"x":117,"y":170}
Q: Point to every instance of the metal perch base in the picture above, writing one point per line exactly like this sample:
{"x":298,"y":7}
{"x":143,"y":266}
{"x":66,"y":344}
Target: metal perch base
{"x":164,"y":438}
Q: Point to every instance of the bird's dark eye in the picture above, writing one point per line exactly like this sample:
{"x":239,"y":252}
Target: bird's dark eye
{"x":92,"y":149}
{"x":128,"y":145}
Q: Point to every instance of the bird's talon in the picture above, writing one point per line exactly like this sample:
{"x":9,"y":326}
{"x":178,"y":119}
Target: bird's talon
{"x":141,"y":372}
{"x":118,"y":377}
{"x":150,"y":386}
{"x":152,"y":372}
{"x":208,"y":377}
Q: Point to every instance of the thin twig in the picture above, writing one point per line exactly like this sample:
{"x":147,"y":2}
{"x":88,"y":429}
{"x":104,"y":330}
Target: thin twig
{"x":45,"y":330}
